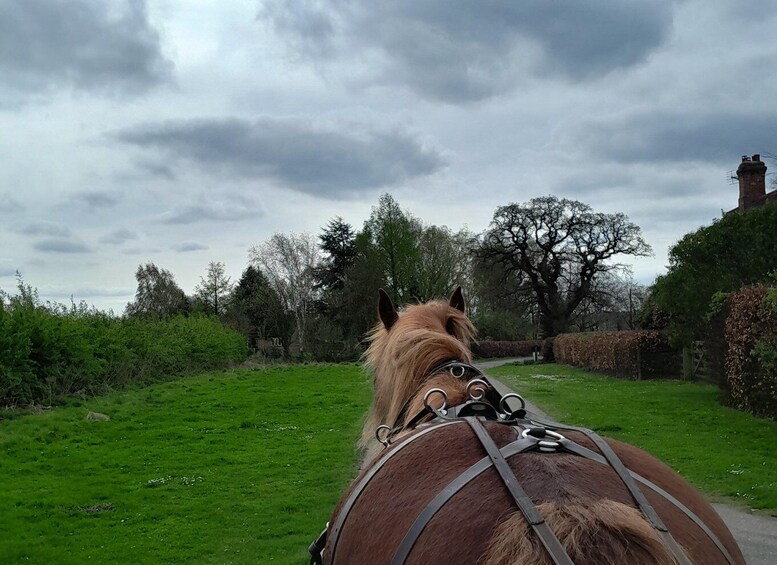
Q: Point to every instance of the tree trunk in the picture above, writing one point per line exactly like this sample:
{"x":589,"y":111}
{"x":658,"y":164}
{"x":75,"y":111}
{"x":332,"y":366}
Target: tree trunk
{"x":552,"y":325}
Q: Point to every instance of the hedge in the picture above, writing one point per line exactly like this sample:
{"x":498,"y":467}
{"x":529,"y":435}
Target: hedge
{"x":626,"y":354}
{"x":486,"y":349}
{"x":48,"y":351}
{"x":751,"y":359}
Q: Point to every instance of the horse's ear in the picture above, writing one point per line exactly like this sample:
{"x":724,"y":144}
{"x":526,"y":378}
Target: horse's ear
{"x":386,"y":311}
{"x":457,"y":301}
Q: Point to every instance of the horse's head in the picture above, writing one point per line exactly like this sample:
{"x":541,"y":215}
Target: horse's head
{"x":406,"y":346}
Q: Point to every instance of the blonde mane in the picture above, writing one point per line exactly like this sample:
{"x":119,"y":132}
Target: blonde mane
{"x":401,"y":357}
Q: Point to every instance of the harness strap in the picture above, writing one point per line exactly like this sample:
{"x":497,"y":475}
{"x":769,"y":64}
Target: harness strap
{"x":475,"y":470}
{"x":638,"y":496}
{"x":337,"y":527}
{"x":549,"y":540}
{"x":578,"y":449}
{"x":605,"y":448}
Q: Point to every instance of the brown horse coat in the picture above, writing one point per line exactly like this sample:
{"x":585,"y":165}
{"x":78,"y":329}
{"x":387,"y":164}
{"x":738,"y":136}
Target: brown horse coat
{"x":463,"y":530}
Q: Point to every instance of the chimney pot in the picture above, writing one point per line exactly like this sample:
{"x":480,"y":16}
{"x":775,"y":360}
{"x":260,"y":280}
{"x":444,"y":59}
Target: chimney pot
{"x":752,"y":182}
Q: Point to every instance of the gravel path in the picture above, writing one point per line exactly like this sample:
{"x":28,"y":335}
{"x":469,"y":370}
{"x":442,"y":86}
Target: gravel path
{"x":755,"y":533}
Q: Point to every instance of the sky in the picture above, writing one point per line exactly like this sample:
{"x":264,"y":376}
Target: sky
{"x":182,"y":132}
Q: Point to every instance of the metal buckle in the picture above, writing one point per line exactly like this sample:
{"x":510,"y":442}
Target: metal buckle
{"x":546,"y":446}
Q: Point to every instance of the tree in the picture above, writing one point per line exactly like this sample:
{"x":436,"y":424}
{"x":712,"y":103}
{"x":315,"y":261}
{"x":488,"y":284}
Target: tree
{"x":613,"y":304}
{"x":444,"y":262}
{"x":214,"y":288}
{"x":256,"y":310}
{"x":737,"y":250}
{"x":498,"y":308}
{"x":157,"y":295}
{"x":338,"y":242}
{"x":362,"y":281}
{"x":393,"y":236}
{"x":289,"y":261}
{"x":556,"y":248}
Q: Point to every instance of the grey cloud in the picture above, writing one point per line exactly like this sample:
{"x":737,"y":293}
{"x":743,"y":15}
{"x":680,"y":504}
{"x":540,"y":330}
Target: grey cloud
{"x":9,"y":205}
{"x":118,"y":237}
{"x":678,"y":137}
{"x":158,"y":169}
{"x":475,"y":49}
{"x":61,"y":246}
{"x":214,"y":210}
{"x":314,"y":159}
{"x":85,"y":44}
{"x":7,"y":271}
{"x":44,"y":228}
{"x":188,"y":246}
{"x":98,"y":199}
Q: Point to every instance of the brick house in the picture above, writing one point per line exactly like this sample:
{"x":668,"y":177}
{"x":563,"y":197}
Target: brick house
{"x":751,"y":175}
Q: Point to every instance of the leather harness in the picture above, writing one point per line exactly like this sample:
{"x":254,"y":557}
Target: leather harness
{"x":534,"y":435}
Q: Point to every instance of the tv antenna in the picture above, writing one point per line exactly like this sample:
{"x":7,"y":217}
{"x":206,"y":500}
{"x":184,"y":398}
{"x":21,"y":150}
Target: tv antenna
{"x":731,"y":177}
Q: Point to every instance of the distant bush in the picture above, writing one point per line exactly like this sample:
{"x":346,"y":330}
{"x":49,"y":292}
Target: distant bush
{"x":751,"y":359}
{"x":49,"y":350}
{"x":486,"y":349}
{"x":626,"y":354}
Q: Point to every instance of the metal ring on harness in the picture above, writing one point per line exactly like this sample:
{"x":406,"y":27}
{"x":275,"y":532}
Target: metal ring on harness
{"x":443,"y":408}
{"x":385,"y":440}
{"x":547,"y":446}
{"x":472,"y":388}
{"x":506,"y":409}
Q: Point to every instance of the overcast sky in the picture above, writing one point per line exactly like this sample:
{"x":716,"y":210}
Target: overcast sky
{"x":183,"y":132}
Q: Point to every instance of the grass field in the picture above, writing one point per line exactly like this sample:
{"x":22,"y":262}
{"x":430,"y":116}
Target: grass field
{"x":246,"y":466}
{"x":228,"y":467}
{"x":721,"y":451}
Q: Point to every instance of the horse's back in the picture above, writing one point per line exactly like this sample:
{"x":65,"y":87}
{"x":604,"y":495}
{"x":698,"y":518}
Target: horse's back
{"x":461,"y":530}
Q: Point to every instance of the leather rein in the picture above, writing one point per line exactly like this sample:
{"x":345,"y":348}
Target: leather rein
{"x":484,"y":403}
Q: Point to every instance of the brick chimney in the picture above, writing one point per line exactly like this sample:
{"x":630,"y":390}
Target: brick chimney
{"x":752,"y":182}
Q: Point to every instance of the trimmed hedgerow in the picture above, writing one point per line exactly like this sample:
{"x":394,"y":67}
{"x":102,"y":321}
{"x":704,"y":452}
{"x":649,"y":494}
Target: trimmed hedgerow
{"x":50,"y":350}
{"x":627,"y":354}
{"x":751,"y":360}
{"x":486,"y":349}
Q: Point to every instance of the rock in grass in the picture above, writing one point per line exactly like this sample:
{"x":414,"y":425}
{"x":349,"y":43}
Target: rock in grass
{"x":97,"y":416}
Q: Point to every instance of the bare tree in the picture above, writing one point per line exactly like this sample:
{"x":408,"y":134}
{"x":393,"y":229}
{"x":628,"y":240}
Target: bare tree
{"x":556,"y":248}
{"x":289,"y":261}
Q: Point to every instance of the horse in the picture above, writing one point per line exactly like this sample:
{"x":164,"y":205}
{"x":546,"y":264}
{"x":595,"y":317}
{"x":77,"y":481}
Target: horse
{"x":449,"y":477}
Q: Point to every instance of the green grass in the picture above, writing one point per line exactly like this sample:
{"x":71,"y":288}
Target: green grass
{"x":226,"y":467}
{"x":722,"y":451}
{"x":246,"y":466}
